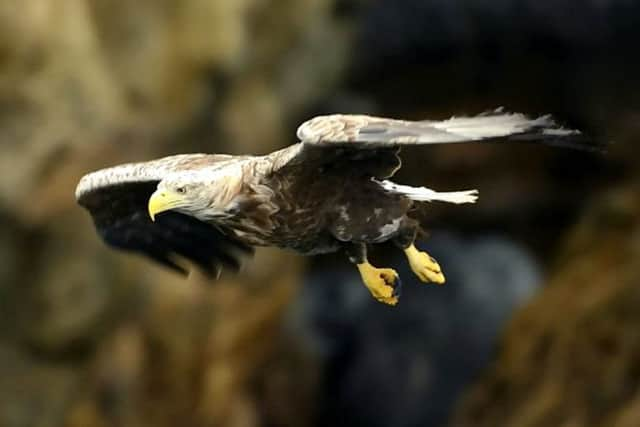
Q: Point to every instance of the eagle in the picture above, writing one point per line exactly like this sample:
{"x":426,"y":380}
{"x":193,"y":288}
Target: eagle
{"x":329,"y":192}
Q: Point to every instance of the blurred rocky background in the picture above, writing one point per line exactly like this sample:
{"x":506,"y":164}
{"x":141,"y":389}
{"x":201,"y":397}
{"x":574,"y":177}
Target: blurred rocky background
{"x":538,"y":323}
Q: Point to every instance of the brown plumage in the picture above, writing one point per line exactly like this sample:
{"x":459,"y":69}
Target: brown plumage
{"x":328,"y":192}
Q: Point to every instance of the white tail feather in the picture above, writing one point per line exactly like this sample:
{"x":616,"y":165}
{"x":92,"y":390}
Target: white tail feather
{"x":423,"y":194}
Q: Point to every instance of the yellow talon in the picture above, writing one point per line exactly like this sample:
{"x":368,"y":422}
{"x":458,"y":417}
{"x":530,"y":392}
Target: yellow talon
{"x":383,"y":283}
{"x":425,"y":267}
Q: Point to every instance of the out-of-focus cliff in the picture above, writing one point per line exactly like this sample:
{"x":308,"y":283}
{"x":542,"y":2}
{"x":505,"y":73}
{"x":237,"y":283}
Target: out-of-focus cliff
{"x":90,"y":337}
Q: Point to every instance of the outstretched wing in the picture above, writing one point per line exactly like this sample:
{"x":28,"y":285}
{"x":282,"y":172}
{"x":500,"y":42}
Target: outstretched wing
{"x":375,"y":141}
{"x":379,"y":131}
{"x":117,"y":200}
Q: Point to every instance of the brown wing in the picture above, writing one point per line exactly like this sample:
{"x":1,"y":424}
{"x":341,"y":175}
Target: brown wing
{"x":117,"y":200}
{"x":153,"y":170}
{"x":338,"y":140}
{"x":379,"y":131}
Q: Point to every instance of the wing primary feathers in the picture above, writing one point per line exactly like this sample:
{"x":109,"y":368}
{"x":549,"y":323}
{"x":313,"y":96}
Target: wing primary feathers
{"x":119,"y":214}
{"x":370,"y":132}
{"x":201,"y":243}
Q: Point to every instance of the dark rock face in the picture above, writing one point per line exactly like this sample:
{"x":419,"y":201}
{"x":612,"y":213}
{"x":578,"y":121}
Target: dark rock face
{"x":443,"y":58}
{"x":405,"y":366}
{"x":570,"y":357}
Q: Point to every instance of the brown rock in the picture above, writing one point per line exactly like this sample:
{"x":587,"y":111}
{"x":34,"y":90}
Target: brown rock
{"x":95,"y":337}
{"x":571,"y":356}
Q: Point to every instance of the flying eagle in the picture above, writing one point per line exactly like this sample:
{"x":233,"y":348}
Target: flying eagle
{"x":330,"y":191}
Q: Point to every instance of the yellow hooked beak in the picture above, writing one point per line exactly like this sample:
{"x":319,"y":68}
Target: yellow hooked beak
{"x":162,"y":201}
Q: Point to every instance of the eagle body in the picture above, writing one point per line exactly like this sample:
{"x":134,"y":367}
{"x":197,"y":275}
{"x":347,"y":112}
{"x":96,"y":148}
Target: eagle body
{"x":291,"y":215}
{"x":330,"y":191}
{"x":281,"y":207}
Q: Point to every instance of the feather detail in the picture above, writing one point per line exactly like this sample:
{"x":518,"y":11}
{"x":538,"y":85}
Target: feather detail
{"x":498,"y":125}
{"x":423,"y":194}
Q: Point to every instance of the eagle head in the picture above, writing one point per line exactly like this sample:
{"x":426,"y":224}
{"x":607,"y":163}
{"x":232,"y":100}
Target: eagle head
{"x":194,"y":195}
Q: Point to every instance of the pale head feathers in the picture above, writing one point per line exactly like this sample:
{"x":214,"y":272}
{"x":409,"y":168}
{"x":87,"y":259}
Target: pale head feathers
{"x":206,"y":193}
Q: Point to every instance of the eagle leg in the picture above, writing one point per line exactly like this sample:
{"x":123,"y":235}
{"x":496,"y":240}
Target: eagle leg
{"x":383,"y":283}
{"x":423,"y":265}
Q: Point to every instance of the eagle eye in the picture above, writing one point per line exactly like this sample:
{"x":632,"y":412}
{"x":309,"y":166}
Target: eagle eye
{"x":181,"y":190}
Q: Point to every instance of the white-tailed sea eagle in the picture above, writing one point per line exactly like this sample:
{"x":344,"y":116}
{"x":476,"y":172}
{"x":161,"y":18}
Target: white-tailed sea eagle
{"x":330,"y":191}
